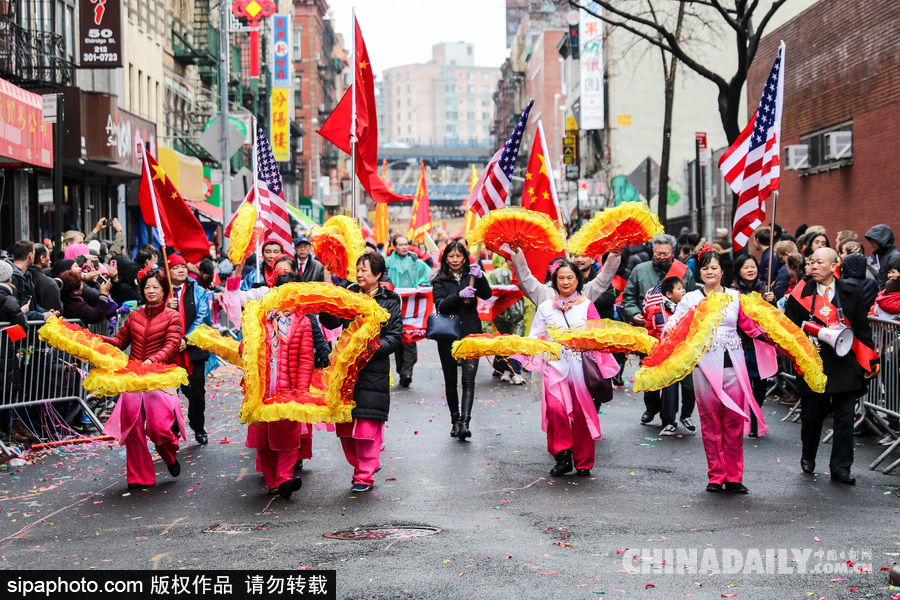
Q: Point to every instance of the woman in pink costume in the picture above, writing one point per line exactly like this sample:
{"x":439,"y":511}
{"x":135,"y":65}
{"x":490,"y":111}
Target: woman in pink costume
{"x":154,"y":334}
{"x":568,"y":414}
{"x":721,"y":383}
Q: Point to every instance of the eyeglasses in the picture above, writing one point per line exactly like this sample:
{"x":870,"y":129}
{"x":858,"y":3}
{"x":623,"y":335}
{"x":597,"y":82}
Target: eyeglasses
{"x":663,"y":254}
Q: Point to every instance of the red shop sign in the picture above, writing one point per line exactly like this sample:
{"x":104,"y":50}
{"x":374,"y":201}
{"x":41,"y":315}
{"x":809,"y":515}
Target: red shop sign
{"x":23,"y":137}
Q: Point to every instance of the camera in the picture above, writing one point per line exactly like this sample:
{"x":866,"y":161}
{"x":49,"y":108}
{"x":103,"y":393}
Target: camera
{"x":101,"y":279}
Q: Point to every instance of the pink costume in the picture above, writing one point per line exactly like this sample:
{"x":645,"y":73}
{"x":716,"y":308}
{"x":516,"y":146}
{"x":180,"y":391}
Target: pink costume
{"x":362,"y":440}
{"x":279,"y":444}
{"x":154,"y":334}
{"x":724,"y":393}
{"x":568,"y":414}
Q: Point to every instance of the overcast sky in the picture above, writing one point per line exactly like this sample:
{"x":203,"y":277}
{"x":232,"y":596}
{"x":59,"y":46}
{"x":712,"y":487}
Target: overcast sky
{"x":401,"y":32}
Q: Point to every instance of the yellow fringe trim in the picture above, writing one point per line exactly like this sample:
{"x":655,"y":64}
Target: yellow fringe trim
{"x":626,"y":224}
{"x":207,"y":338}
{"x":604,"y":335}
{"x":476,"y":346}
{"x":82,"y":344}
{"x":349,"y":354}
{"x":243,"y":230}
{"x":104,"y":382}
{"x":521,"y":228}
{"x":340,"y":243}
{"x":789,"y":337}
{"x":687,"y":353}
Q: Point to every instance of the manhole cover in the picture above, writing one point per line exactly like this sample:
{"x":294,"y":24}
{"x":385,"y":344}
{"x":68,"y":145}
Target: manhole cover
{"x":234,"y":528}
{"x":381,"y":533}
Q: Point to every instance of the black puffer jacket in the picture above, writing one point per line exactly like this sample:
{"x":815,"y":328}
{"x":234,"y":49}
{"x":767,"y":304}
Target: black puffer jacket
{"x":11,"y":312}
{"x":372,"y":391}
{"x":446,"y":289}
{"x":853,"y":270}
{"x":886,"y":252}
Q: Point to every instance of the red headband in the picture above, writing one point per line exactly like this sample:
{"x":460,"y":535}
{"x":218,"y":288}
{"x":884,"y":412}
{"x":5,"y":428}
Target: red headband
{"x":706,"y":248}
{"x":143,"y":272}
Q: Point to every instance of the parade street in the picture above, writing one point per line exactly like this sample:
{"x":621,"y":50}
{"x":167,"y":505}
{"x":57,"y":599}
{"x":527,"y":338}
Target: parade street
{"x":641,"y":526}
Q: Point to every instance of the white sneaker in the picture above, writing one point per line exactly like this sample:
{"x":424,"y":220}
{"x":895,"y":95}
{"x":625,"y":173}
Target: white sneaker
{"x":517,"y":379}
{"x":888,"y":439}
{"x":668,"y":430}
{"x":505,"y":376}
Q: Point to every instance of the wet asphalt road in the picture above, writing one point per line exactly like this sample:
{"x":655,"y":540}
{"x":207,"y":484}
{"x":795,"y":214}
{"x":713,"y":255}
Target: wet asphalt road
{"x":641,"y":527}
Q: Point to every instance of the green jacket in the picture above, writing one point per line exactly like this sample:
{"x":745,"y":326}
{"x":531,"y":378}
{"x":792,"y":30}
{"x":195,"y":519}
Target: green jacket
{"x":407,"y":272}
{"x":643,"y":277}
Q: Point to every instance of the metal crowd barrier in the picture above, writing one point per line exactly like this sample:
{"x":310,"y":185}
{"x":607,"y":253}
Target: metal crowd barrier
{"x":41,"y":374}
{"x":883,"y":397}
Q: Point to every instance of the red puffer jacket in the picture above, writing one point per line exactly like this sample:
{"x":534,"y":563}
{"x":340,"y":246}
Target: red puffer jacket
{"x":296,"y":357}
{"x":154,"y":333}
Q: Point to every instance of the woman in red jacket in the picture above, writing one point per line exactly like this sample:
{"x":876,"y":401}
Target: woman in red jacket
{"x":289,"y":349}
{"x":154,"y":334}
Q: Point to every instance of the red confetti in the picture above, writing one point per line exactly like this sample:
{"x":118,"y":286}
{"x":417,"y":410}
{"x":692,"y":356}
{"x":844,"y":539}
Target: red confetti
{"x":849,"y":563}
{"x":391,"y":479}
{"x":225,"y":440}
{"x":547,"y":573}
{"x":622,"y":551}
{"x":415,"y":433}
{"x":648,"y":586}
{"x":852,"y":589}
{"x":729,"y":595}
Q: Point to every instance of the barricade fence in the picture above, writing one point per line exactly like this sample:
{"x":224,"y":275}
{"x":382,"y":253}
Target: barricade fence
{"x":36,"y":373}
{"x":883,"y":396}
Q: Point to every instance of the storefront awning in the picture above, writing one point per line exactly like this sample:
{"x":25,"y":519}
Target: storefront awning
{"x":186,"y":173}
{"x":23,"y":137}
{"x":206,"y":209}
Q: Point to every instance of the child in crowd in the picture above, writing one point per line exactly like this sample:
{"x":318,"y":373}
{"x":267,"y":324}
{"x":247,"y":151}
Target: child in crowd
{"x":672,"y":289}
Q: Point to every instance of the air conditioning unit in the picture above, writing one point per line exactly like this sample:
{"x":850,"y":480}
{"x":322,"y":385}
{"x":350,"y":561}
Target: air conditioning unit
{"x":796,"y":157}
{"x":838,"y":145}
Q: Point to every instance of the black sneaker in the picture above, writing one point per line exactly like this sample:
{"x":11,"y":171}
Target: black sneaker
{"x":688,"y":424}
{"x":647,"y":417}
{"x":357,"y":488}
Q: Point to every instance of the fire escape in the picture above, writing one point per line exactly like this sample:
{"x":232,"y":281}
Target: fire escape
{"x":31,"y":58}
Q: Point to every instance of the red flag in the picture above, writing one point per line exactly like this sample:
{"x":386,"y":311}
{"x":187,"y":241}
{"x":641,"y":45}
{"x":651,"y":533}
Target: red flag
{"x":180,"y":227}
{"x":420,"y":223}
{"x":359,"y":118}
{"x":539,"y":194}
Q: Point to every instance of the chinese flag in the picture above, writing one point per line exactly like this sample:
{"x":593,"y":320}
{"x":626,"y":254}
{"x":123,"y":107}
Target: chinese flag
{"x":539,"y":193}
{"x":420,"y":223}
{"x":339,"y":126}
{"x":179,"y":225}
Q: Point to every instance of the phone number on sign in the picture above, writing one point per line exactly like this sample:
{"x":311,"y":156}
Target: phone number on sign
{"x":102,"y":57}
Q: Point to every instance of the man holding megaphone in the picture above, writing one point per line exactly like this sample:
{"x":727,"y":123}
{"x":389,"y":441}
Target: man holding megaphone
{"x":834,"y":315}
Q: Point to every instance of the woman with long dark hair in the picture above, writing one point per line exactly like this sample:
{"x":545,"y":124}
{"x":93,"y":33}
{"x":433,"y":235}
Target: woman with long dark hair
{"x":453,"y":295}
{"x":721,"y":383}
{"x":154,"y":334}
{"x":746,"y":281}
{"x":568,"y":414}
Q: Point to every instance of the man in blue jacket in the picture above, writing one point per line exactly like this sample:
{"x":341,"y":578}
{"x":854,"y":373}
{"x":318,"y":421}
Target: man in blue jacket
{"x":192,"y":304}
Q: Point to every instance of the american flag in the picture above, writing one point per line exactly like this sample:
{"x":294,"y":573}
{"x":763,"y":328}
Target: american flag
{"x":653,"y":308}
{"x":417,"y":304}
{"x":751,"y":165}
{"x":273,"y":210}
{"x":493,"y":185}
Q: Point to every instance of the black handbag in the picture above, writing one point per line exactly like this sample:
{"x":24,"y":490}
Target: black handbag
{"x":443,"y":328}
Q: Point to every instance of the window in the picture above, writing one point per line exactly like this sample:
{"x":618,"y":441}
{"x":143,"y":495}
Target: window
{"x":408,"y":75}
{"x":470,"y":102}
{"x":298,"y":54}
{"x":409,"y":129}
{"x":298,"y":92}
{"x":485,"y":76}
{"x":472,"y":129}
{"x":407,"y":89}
{"x":452,"y":116}
{"x":451,"y":88}
{"x":829,"y":148}
{"x":486,"y":116}
{"x":470,"y":76}
{"x":470,"y":115}
{"x":485,"y":89}
{"x":408,"y":101}
{"x":398,"y":102}
{"x":470,"y":89}
{"x":485,"y":103}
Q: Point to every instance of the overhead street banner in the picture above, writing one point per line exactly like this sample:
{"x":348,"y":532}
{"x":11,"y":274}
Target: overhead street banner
{"x":590,"y":40}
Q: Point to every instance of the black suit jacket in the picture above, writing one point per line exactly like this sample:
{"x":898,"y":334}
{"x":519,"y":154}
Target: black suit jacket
{"x":312,"y":270}
{"x":844,"y":373}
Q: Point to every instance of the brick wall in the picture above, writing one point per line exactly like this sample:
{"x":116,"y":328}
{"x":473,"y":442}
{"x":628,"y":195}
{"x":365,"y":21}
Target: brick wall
{"x":842,"y":63}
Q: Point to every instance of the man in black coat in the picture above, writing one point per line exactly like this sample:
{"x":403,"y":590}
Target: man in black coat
{"x":827,"y":301}
{"x":46,"y":291}
{"x":307,"y":267}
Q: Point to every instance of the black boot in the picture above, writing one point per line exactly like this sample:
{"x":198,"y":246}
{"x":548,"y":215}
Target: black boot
{"x":468,"y":398}
{"x":454,"y":421}
{"x":563,"y":463}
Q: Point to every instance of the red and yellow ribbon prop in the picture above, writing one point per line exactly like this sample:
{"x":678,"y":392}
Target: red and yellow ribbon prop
{"x":790,"y":338}
{"x":517,"y":227}
{"x":339,"y":244}
{"x":604,"y":335}
{"x":135,"y":377}
{"x":624,"y":225}
{"x":491,"y":344}
{"x":351,"y":352}
{"x":244,"y":234}
{"x":209,"y":339}
{"x":681,"y":349}
{"x":81,"y":343}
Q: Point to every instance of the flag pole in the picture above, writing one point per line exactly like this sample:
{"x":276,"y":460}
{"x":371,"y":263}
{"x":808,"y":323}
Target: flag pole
{"x":559,"y":215}
{"x":771,"y":242}
{"x":353,"y":117}
{"x":256,"y":199}
{"x":159,"y":227}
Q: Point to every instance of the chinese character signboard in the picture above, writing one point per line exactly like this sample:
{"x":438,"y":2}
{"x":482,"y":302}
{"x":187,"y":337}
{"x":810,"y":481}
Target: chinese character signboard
{"x":101,"y":34}
{"x":281,"y":138}
{"x":23,"y":137}
{"x":590,"y":40}
{"x":281,"y":51}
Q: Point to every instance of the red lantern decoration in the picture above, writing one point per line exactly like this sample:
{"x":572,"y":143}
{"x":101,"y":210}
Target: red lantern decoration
{"x":253,"y":11}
